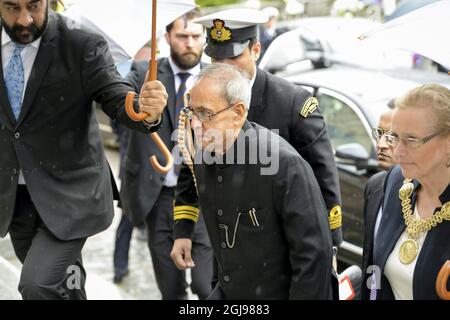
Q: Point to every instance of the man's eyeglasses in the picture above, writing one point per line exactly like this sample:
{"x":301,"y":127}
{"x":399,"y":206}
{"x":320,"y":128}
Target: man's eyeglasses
{"x":203,"y":116}
{"x":412,"y":143}
{"x":377,"y":133}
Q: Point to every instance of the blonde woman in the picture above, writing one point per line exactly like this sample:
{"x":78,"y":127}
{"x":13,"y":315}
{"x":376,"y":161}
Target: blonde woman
{"x":413,"y":241}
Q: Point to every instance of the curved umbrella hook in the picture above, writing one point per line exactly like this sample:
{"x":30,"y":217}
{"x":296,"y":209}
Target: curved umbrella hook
{"x":441,"y":281}
{"x":129,"y":103}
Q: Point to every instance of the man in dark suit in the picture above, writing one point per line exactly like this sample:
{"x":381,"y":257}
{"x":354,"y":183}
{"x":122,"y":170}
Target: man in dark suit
{"x":148,"y":195}
{"x":269,"y":242}
{"x":56,"y":185}
{"x":373,"y":194}
{"x":275,"y":104}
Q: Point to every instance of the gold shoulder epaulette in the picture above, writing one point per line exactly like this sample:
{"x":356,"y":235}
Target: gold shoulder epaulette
{"x":309,"y":107}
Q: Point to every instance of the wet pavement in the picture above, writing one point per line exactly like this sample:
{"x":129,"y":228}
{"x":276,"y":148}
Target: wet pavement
{"x":97,"y":257}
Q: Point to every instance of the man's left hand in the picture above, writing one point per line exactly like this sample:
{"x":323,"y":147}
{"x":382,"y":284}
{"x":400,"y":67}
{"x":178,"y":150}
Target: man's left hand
{"x":152,"y":100}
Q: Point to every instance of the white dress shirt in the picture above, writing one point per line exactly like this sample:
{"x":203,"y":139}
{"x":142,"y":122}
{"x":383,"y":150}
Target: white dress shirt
{"x":377,"y":223}
{"x":28,"y":56}
{"x":171,"y":177}
{"x":176,"y":70}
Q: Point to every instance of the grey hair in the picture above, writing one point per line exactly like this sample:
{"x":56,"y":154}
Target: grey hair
{"x":235,"y":83}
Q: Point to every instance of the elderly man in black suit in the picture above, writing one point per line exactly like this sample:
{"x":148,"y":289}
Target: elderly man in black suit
{"x":373,"y":193}
{"x":275,"y":104}
{"x":269,"y":242}
{"x":56,"y":188}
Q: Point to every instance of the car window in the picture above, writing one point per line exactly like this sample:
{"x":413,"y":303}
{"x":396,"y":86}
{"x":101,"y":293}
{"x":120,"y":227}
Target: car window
{"x":310,"y":41}
{"x":286,"y":49}
{"x":344,"y":125}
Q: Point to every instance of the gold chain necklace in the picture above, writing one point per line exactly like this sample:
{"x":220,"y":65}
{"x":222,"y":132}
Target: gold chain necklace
{"x":415,"y":225}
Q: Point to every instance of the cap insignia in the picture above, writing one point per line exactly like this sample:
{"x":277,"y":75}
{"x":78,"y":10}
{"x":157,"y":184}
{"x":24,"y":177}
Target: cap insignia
{"x":219,"y":32}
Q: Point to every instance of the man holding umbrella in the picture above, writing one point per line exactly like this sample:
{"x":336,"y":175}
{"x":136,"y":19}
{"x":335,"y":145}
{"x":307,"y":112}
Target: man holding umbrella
{"x":56,"y":185}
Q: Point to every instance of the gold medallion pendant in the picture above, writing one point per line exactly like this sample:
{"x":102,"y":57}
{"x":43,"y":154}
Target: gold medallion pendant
{"x":408,"y":251}
{"x":415,"y":226}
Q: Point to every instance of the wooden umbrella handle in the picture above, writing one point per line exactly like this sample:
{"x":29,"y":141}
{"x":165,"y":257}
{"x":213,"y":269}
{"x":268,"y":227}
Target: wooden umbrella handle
{"x":441,"y":281}
{"x":129,"y":107}
{"x":129,"y":101}
{"x":166,"y":153}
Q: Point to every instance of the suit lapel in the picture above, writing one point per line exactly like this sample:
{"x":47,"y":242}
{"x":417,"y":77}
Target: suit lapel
{"x":5,"y":108}
{"x":40,"y":67}
{"x":391,"y":227}
{"x":166,"y":76}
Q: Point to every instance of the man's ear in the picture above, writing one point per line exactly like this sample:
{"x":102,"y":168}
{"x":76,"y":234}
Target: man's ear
{"x":256,"y":50}
{"x":239,"y":112}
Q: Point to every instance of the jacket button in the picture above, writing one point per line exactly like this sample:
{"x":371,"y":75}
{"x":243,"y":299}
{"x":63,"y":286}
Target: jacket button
{"x":226,"y":278}
{"x":17,"y":135}
{"x":219,"y":179}
{"x":223,"y":245}
{"x":220,"y":212}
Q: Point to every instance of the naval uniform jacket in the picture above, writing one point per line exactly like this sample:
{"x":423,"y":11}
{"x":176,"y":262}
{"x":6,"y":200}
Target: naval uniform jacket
{"x":280,"y":250}
{"x":56,"y":141}
{"x":277,"y":104}
{"x":435,"y":250}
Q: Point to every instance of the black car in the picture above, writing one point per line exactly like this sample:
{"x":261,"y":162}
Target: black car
{"x":351,"y":101}
{"x":320,"y":42}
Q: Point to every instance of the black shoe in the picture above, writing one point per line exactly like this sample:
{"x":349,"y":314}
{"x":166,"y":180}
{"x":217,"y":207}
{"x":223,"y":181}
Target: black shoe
{"x":119,"y":277}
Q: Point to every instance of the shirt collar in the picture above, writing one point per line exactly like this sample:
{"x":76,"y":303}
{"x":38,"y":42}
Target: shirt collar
{"x":175,"y":69}
{"x":6,"y":40}
{"x":252,"y":80}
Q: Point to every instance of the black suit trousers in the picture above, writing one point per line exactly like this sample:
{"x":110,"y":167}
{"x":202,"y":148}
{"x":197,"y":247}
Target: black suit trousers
{"x":171,"y":281}
{"x":52,"y":268}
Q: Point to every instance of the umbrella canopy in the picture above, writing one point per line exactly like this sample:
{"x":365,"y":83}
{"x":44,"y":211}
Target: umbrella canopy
{"x":423,"y":31}
{"x":126,"y":25}
{"x":406,"y":6}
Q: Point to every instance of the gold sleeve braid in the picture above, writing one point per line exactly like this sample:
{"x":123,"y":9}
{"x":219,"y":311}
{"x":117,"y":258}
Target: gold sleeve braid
{"x":185,"y":211}
{"x":335,"y":217}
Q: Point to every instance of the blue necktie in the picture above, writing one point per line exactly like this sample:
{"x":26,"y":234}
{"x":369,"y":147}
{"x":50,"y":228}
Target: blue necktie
{"x":179,"y":102}
{"x":15,"y":80}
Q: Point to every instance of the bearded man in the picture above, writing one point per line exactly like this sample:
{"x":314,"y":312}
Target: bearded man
{"x":147,"y":196}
